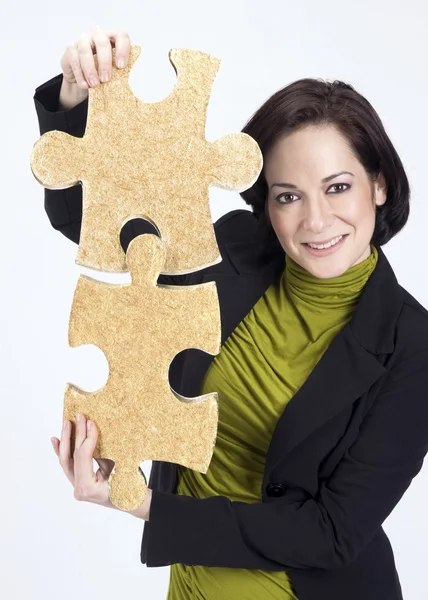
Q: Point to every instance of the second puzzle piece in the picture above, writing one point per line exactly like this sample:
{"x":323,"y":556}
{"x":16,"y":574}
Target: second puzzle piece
{"x":149,"y":160}
{"x":141,"y":327}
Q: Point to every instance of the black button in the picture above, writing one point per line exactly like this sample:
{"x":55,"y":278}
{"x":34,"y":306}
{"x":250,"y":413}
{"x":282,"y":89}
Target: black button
{"x":275,"y":489}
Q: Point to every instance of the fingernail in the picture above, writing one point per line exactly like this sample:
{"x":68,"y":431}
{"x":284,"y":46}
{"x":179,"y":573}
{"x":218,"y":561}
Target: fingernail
{"x":79,"y":417}
{"x":89,"y":424}
{"x":121,"y":63}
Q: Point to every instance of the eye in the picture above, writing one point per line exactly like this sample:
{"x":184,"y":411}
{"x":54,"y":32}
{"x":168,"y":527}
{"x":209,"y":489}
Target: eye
{"x":339,"y":184}
{"x":347,"y":186}
{"x":282,"y":195}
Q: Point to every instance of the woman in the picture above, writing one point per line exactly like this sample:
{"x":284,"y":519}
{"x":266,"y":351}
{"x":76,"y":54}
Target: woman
{"x":322,"y":376}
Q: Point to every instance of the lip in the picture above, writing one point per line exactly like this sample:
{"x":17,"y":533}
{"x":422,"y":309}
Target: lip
{"x":326,"y":241}
{"x":326,"y":251}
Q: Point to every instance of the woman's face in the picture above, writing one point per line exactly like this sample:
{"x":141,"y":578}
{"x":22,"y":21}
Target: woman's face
{"x":303,"y":208}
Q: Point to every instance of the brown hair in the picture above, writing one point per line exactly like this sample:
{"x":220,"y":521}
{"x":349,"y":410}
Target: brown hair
{"x":317,"y":102}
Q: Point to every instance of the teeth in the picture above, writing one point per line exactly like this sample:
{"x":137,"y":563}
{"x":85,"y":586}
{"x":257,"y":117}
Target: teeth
{"x":321,"y":246}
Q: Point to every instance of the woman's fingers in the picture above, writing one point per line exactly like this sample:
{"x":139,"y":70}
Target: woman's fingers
{"x":86,"y":440}
{"x":85,"y":45}
{"x":74,"y":65}
{"x":103,"y":40}
{"x":79,"y":466}
{"x":55,"y":445}
{"x":80,"y":432}
{"x":122,"y":44}
{"x":104,"y":54}
{"x":78,"y":62}
{"x":65,"y":459}
{"x":87,"y":485}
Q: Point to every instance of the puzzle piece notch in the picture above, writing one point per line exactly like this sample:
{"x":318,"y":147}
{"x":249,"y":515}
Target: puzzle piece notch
{"x":160,"y":166}
{"x":140,"y":327}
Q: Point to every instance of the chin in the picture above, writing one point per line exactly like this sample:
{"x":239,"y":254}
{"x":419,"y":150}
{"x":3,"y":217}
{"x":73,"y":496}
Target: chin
{"x":328,"y":273}
{"x":325,"y":268}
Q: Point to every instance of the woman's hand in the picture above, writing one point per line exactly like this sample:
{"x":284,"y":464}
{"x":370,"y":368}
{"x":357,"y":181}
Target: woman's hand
{"x":77,"y":62}
{"x":89,"y":486}
{"x":78,"y":65}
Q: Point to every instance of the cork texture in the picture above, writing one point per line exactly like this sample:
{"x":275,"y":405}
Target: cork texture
{"x":149,"y":160}
{"x":140,"y":327}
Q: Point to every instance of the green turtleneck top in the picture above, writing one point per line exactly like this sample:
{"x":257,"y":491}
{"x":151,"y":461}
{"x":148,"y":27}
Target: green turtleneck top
{"x":258,"y":370}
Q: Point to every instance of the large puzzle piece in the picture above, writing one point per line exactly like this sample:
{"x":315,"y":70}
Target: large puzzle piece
{"x":140,"y":327}
{"x":149,"y":160}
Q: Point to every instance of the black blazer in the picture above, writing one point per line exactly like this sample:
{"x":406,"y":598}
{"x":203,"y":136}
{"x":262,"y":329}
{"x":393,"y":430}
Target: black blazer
{"x":345,"y":449}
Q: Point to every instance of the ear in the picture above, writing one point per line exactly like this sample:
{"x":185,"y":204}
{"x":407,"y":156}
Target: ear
{"x":380,"y":190}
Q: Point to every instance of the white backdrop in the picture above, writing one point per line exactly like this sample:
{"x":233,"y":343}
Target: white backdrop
{"x":52,"y":546}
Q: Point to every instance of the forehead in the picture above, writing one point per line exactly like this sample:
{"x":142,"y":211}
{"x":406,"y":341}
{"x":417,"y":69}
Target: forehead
{"x":319,"y":148}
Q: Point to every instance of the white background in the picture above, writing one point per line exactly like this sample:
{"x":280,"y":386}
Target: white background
{"x":52,"y":546}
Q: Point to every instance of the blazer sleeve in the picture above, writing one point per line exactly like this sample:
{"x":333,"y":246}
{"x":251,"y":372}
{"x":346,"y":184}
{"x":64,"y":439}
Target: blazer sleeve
{"x":63,"y":207}
{"x":327,"y":531}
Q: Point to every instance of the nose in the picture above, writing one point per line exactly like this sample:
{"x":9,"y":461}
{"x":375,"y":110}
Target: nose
{"x":317,"y":214}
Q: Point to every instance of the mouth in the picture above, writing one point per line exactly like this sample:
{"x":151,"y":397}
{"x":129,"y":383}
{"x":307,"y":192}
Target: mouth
{"x":329,"y":250}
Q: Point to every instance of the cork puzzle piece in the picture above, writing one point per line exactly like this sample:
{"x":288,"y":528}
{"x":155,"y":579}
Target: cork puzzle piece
{"x":151,"y":161}
{"x":140,"y":327}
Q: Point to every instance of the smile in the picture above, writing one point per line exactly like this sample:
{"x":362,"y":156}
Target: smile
{"x":326,"y":249}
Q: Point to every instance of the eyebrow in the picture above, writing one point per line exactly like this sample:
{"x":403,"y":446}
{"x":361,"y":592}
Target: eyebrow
{"x":291,"y":185}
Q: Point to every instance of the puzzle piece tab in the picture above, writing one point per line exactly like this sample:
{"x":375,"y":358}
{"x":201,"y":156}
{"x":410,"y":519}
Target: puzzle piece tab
{"x":149,"y":160}
{"x":140,"y":327}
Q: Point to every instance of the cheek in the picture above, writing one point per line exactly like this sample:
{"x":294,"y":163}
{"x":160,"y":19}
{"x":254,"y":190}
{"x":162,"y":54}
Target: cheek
{"x":284,"y":229}
{"x":279,"y":221}
{"x":359,"y":209}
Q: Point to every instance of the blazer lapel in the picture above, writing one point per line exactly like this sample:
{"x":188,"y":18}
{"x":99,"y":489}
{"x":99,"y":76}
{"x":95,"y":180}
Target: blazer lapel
{"x":342,"y":375}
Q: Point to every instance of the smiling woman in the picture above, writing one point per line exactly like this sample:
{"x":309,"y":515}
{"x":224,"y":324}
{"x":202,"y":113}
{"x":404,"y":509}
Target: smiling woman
{"x":318,"y":213}
{"x":331,"y":176}
{"x":331,"y":192}
{"x":322,"y":373}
